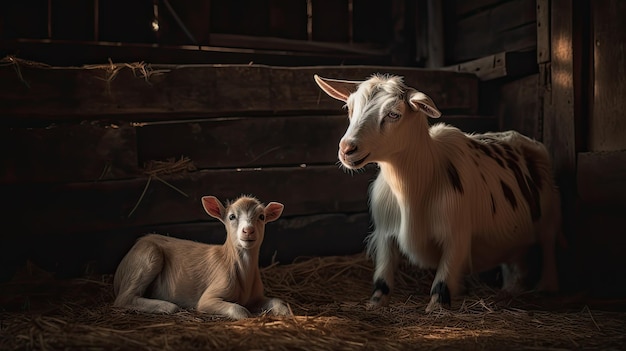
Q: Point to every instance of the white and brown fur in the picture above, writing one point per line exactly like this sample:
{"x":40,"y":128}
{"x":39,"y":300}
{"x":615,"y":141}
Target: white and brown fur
{"x":161,"y":274}
{"x":455,"y":202}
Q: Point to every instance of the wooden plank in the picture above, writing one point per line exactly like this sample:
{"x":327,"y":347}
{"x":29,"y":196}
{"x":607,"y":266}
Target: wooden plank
{"x":543,"y":31}
{"x":500,"y":18}
{"x":72,"y":254}
{"x":84,"y":152}
{"x":436,"y":41}
{"x":67,"y":93}
{"x":504,"y":64}
{"x":601,"y":178}
{"x":261,"y":142}
{"x":477,"y":45}
{"x":510,"y":26}
{"x":292,"y":45}
{"x":518,"y":106}
{"x":559,"y":122}
{"x":289,"y":238}
{"x":607,"y":125}
{"x":64,"y":53}
{"x":466,"y":8}
{"x":96,"y":206}
{"x":245,"y":142}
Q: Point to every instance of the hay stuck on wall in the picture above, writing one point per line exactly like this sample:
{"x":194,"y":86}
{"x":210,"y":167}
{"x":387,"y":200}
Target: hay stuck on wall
{"x":327,"y":297}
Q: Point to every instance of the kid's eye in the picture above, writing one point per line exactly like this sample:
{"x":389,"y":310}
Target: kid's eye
{"x":232,"y":217}
{"x":262,"y":217}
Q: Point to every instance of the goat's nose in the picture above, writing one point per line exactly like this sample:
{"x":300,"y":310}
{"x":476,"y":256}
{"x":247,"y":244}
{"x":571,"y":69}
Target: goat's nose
{"x":347,"y":147}
{"x":248,"y":230}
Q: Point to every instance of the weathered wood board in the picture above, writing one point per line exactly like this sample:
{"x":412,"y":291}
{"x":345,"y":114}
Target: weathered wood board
{"x":75,"y":254}
{"x":518,"y":106}
{"x":131,"y":91}
{"x":96,"y":206}
{"x":68,"y":153}
{"x":103,"y":151}
{"x":484,"y":28}
{"x":607,"y":124}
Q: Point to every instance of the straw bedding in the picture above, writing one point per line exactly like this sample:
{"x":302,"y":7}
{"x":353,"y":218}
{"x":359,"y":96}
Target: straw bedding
{"x":327,"y":297}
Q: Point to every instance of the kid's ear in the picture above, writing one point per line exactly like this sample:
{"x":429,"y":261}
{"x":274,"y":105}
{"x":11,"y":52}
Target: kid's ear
{"x":336,"y":88}
{"x":273,"y":210}
{"x":213,"y":207}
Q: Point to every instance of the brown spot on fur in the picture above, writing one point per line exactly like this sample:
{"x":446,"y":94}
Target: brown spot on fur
{"x":508,"y":194}
{"x":455,"y":179}
{"x":528,"y":189}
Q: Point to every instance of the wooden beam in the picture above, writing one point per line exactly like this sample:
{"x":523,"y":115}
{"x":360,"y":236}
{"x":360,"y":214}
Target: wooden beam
{"x":67,"y":254}
{"x":559,"y":122}
{"x":106,"y":151}
{"x":108,"y":205}
{"x":505,"y":64}
{"x":543,"y":31}
{"x":436,"y":44}
{"x":126,"y":90}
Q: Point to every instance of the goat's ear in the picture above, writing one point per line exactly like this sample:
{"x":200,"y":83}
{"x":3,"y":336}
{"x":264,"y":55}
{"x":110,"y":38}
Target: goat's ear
{"x":421,"y":102}
{"x":335,"y":88}
{"x":273,"y":210}
{"x":213,"y":207}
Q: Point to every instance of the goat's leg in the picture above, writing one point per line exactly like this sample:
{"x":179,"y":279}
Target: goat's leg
{"x":451,"y":266}
{"x":386,"y":262}
{"x":139,"y":268}
{"x":514,"y":275}
{"x":215,"y":305}
{"x":274,"y":306}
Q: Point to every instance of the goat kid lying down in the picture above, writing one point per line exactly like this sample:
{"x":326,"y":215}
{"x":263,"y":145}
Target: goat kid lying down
{"x":458,"y":203}
{"x":161,"y":274}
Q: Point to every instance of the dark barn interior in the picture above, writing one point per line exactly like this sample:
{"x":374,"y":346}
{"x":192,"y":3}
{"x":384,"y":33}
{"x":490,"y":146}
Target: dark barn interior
{"x":118,"y":116}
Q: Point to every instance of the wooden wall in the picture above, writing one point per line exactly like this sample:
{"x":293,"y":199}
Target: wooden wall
{"x":478,"y":28}
{"x":601,"y":160}
{"x":81,"y":149}
{"x":275,"y":32}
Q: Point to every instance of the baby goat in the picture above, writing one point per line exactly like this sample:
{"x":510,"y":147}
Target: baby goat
{"x":162,"y":274}
{"x":449,"y":201}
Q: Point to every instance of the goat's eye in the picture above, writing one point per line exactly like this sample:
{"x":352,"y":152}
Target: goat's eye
{"x":262,"y":217}
{"x":393,"y":115}
{"x":232,"y":217}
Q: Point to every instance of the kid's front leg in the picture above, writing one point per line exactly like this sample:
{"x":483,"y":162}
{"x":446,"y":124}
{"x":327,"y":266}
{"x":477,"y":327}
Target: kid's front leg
{"x":224,"y":308}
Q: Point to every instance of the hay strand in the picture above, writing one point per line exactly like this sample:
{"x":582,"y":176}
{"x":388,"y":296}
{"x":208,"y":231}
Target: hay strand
{"x":327,"y":298}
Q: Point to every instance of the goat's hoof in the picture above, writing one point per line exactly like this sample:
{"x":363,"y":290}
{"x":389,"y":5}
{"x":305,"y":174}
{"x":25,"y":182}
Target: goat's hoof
{"x":436,"y":304}
{"x":279,"y":308}
{"x":377,"y":301}
{"x":238,"y":312}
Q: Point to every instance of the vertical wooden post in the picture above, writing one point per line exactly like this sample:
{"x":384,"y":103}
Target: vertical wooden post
{"x":435,"y":35}
{"x":559,"y":121}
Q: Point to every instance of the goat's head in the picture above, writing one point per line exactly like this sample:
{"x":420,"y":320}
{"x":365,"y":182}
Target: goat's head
{"x":383,"y":114}
{"x":245,"y":218}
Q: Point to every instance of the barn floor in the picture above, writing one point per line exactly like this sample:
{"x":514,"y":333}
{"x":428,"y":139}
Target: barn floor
{"x":327,"y":296}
